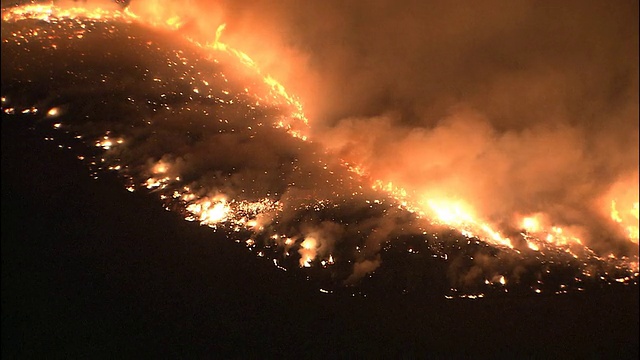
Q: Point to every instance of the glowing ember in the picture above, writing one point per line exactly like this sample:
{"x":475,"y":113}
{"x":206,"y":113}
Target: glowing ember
{"x":53,"y":112}
{"x":107,"y":143}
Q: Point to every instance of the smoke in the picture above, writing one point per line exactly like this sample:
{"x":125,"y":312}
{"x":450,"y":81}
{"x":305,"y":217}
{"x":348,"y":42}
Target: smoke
{"x":319,"y":240}
{"x":515,"y":107}
{"x":512,"y":108}
{"x":362,"y":268}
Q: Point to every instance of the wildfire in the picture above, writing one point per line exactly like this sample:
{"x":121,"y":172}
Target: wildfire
{"x":451,"y":213}
{"x":307,"y":251}
{"x":107,"y":143}
{"x":210,"y":212}
{"x":160,"y":168}
{"x":455,"y":214}
{"x":51,"y":13}
{"x":174,"y":22}
{"x":533,"y":246}
{"x":214,"y":209}
{"x":628,"y":219}
{"x":531,"y":224}
{"x":277,"y":88}
{"x":53,"y":112}
{"x":458,"y":215}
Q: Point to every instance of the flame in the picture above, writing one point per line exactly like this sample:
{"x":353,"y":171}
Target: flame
{"x":307,"y":251}
{"x":53,"y":112}
{"x":458,"y":214}
{"x":50,"y":12}
{"x":628,"y":219}
{"x":160,"y":168}
{"x":216,"y":213}
{"x":451,"y":213}
{"x":155,"y":18}
{"x":174,"y":22}
{"x":107,"y":143}
{"x":615,"y":215}
{"x":276,"y":87}
{"x":210,"y":211}
{"x":531,"y":224}
{"x":217,"y":44}
{"x":533,"y":246}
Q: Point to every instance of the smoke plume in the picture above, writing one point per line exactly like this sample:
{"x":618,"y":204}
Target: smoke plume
{"x":515,"y":108}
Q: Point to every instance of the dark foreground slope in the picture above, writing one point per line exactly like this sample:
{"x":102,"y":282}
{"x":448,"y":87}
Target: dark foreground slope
{"x":89,"y":269}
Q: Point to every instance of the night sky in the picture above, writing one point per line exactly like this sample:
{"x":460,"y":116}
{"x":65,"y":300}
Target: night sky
{"x":327,"y":232}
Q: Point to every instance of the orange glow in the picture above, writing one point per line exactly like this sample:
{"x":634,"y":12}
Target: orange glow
{"x":620,"y":204}
{"x":615,"y":215}
{"x":531,"y":224}
{"x":53,"y":112}
{"x":627,"y":218}
{"x":307,"y":251}
{"x":174,"y":22}
{"x":533,"y":246}
{"x":459,"y":215}
{"x":309,"y":243}
{"x":450,"y":213}
{"x":46,"y":12}
{"x":210,"y":212}
{"x":160,"y":168}
{"x":277,"y":88}
{"x":215,"y":214}
{"x":155,"y":16}
{"x":212,"y":209}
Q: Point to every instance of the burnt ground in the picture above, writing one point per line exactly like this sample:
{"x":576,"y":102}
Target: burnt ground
{"x":91,"y":270}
